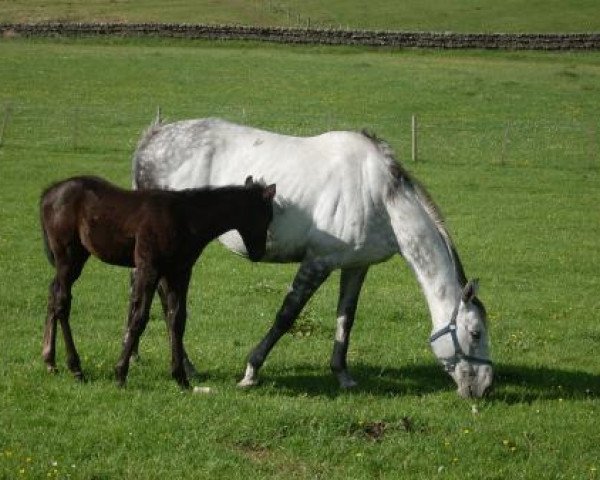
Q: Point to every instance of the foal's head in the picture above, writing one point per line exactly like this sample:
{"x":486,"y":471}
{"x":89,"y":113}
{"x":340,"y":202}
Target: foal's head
{"x":258,"y":213}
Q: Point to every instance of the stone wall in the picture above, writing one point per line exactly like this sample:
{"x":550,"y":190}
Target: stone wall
{"x":524,"y":41}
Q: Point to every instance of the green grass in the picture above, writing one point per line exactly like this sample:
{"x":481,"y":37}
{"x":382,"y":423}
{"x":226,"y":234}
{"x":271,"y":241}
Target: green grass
{"x":509,"y":149}
{"x":409,"y":15}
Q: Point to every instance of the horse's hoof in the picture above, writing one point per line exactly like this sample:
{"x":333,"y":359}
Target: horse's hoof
{"x":248,"y":383}
{"x":79,"y":376}
{"x":250,"y":377}
{"x":349,"y":385}
{"x":346,"y":381}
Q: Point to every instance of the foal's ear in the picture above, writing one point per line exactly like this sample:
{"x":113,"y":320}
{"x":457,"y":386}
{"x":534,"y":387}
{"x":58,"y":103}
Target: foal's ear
{"x":269,"y":192}
{"x":470,"y":290}
{"x":249,"y":181}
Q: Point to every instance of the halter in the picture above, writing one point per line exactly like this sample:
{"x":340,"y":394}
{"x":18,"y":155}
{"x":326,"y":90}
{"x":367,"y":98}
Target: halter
{"x":451,"y":362}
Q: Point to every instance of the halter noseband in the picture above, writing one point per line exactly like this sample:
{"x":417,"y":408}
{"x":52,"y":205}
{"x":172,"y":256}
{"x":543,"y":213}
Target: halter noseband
{"x":451,"y":362}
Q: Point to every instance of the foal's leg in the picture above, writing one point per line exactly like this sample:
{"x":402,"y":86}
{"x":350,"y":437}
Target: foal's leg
{"x":135,"y":349}
{"x":49,"y":346}
{"x":175,"y":288}
{"x":142,"y":292}
{"x":69,"y":263}
{"x":190,"y":369}
{"x":310,"y":276}
{"x":351,"y":282}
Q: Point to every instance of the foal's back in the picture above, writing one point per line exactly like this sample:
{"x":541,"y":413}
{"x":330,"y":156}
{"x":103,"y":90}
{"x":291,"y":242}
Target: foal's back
{"x":90,"y":213}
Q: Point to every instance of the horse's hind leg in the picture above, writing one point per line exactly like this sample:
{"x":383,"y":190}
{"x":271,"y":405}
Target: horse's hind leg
{"x":310,"y":276}
{"x":351,"y":282}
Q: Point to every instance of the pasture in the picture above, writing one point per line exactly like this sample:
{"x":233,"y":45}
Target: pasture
{"x":509,"y":149}
{"x":487,"y":16}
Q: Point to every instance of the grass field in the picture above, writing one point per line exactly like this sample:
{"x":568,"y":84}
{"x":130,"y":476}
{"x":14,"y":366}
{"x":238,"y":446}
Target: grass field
{"x":409,"y":15}
{"x":509,"y":149}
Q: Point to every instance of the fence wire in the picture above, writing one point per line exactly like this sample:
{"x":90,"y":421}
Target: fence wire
{"x":476,"y":140}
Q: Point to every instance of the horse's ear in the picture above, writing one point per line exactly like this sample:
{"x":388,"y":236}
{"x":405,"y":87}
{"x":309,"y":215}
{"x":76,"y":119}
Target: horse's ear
{"x":269,"y":192}
{"x":249,"y":181}
{"x":470,"y":290}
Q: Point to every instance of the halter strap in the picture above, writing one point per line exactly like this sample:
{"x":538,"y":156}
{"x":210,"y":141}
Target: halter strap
{"x":451,"y":362}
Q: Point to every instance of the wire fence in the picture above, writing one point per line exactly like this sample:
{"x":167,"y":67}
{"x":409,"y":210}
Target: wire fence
{"x":571,"y":144}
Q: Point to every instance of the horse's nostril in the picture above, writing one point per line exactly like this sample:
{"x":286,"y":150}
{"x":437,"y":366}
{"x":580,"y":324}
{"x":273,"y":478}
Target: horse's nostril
{"x":487,"y":391}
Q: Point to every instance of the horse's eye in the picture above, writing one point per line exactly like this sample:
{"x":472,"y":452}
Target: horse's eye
{"x":475,"y":334}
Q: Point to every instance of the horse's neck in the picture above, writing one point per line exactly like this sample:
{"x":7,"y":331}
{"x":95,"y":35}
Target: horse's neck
{"x":423,"y":247}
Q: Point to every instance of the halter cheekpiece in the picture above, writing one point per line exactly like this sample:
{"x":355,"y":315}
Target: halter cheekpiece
{"x":451,"y":362}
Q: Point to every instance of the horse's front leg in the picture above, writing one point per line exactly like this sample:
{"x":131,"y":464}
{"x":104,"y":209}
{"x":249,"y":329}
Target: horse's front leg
{"x":309,"y":277}
{"x":144,"y":285}
{"x":351,"y":282}
{"x":175,"y":288}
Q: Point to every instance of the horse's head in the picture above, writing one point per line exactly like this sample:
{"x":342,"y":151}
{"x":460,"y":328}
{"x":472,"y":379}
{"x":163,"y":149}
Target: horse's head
{"x":258,"y":213}
{"x":462,"y":345}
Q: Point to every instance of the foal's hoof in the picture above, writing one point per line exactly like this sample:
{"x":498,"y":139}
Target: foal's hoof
{"x":79,"y":376}
{"x":120,"y":380}
{"x":190,"y":370}
{"x":51,"y":369}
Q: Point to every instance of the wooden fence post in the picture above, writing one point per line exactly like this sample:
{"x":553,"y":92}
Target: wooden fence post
{"x":414,"y":138}
{"x":593,"y":146}
{"x":5,"y":119}
{"x":76,"y":118}
{"x":505,"y":142}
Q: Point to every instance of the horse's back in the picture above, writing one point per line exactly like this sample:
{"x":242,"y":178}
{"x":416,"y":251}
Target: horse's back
{"x":192,"y":153}
{"x":330,"y":187}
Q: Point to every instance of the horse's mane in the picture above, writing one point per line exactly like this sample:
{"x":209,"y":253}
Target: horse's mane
{"x":143,"y":141}
{"x":404,"y":180}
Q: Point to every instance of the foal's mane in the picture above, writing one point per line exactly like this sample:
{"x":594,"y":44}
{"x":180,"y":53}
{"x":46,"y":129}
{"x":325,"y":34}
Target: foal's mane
{"x":403,"y":180}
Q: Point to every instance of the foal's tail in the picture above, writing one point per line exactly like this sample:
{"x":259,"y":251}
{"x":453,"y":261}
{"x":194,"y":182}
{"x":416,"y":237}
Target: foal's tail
{"x":49,"y":253}
{"x":47,"y":249}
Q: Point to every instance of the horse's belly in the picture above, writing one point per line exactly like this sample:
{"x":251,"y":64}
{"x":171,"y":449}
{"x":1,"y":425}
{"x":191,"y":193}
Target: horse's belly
{"x":275,"y":252}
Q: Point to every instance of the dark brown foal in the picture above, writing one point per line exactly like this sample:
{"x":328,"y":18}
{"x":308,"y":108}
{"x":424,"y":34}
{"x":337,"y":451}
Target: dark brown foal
{"x":160,"y":233}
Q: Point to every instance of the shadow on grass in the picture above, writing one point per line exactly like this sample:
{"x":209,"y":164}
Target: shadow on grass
{"x":513,"y":383}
